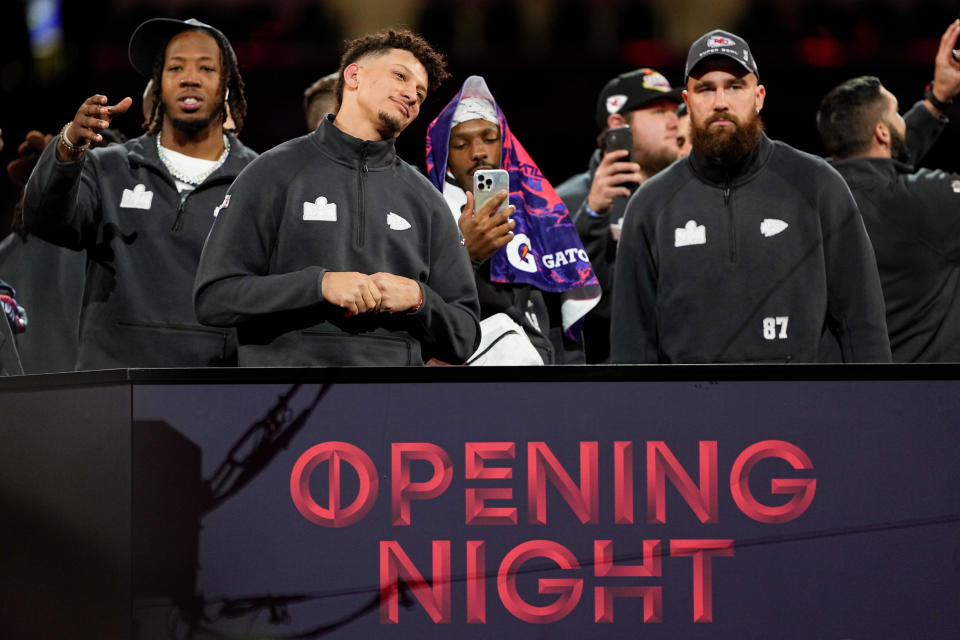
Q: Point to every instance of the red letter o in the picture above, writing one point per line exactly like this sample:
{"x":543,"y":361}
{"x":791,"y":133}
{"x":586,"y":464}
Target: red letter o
{"x":334,"y":515}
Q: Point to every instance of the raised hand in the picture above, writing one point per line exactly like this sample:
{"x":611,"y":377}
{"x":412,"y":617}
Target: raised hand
{"x":946,"y":68}
{"x":610,"y":179}
{"x":93,"y":116}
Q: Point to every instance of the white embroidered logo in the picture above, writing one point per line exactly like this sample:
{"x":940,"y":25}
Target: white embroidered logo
{"x":772,"y":226}
{"x":320,"y":210}
{"x":956,"y":186}
{"x":223,"y":205}
{"x":614,"y":103}
{"x":397,"y":223}
{"x":136,"y":198}
{"x":718,"y":42}
{"x":690,"y":234}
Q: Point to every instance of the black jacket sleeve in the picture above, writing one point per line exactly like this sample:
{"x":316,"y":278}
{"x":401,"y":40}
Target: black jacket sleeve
{"x":62,"y":200}
{"x":448,"y":321}
{"x":233,"y":282}
{"x":633,"y":332}
{"x":923,"y":130}
{"x":594,"y":232}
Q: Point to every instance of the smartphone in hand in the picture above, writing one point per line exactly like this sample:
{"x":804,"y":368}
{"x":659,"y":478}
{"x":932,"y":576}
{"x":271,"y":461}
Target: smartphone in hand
{"x":619,"y":138}
{"x":488,"y":183}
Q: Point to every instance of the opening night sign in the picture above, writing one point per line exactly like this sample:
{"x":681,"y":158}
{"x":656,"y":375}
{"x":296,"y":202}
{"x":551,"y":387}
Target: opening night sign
{"x":494,"y":463}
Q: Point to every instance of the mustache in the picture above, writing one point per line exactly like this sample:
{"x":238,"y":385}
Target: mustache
{"x":722,"y":116}
{"x":480,"y":164}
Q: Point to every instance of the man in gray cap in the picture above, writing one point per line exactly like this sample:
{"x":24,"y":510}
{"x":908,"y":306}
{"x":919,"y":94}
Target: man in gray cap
{"x":643,"y":101}
{"x":142,"y":210}
{"x":747,"y":250}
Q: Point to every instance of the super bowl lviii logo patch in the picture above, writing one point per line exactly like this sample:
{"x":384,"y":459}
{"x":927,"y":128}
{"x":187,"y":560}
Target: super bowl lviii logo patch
{"x":320,"y":210}
{"x":655,"y":81}
{"x":136,"y":198}
{"x":690,"y":234}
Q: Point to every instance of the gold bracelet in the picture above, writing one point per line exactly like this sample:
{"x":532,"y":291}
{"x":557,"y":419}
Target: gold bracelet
{"x":69,"y":146}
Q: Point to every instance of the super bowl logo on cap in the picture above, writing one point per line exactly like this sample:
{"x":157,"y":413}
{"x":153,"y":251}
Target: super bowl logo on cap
{"x":615,"y":102}
{"x":655,"y":81}
{"x":716,"y":42}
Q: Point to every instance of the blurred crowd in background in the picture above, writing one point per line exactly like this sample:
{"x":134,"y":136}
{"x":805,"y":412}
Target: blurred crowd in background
{"x":546,"y":60}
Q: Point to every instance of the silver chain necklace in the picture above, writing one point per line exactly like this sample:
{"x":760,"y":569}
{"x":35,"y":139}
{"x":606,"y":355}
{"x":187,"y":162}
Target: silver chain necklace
{"x":194,"y":180}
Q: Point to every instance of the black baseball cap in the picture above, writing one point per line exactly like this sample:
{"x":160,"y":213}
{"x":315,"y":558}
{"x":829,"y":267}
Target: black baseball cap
{"x":632,"y":90}
{"x":152,"y":36}
{"x":720,"y":43}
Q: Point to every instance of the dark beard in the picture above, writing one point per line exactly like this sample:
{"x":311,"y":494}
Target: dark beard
{"x":726,"y":147}
{"x":653,"y":162}
{"x":193,"y":128}
{"x":898,"y":146}
{"x":390,"y":124}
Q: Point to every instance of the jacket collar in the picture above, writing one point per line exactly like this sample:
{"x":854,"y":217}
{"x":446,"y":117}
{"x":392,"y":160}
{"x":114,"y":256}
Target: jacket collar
{"x":857,"y":169}
{"x":736,"y":174}
{"x":347,"y":150}
{"x":143,"y":152}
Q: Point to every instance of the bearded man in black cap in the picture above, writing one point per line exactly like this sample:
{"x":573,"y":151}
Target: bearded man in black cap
{"x":747,"y":250}
{"x":142,"y":210}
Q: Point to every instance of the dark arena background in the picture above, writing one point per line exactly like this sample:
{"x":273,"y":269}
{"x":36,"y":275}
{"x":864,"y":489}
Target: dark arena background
{"x":544,"y":60}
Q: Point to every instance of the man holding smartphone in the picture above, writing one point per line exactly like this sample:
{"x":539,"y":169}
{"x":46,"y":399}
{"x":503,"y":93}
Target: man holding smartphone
{"x":525,"y":251}
{"x":642,"y":105}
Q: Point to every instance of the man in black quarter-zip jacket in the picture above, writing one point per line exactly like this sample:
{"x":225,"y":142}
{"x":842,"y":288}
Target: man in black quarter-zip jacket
{"x":142,"y":210}
{"x":747,"y":250}
{"x":329,"y":250}
{"x":912,"y":215}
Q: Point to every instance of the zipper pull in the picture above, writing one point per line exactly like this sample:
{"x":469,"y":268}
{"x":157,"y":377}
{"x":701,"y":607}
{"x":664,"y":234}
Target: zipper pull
{"x":726,"y":194}
{"x":178,"y":221}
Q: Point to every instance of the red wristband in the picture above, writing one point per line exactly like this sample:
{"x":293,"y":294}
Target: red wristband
{"x":419,"y":302}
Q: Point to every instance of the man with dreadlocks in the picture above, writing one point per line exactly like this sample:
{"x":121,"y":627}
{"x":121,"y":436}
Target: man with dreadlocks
{"x":142,"y":210}
{"x":331,"y":250}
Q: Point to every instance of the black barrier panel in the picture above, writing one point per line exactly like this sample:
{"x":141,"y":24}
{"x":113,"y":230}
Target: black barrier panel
{"x":601,"y":509}
{"x":65,"y":507}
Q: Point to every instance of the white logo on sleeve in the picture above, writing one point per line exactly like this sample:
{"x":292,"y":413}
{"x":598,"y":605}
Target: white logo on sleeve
{"x":772,"y":226}
{"x":136,"y":198}
{"x":320,"y":210}
{"x":955,"y":185}
{"x":690,"y":234}
{"x":396,"y":222}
